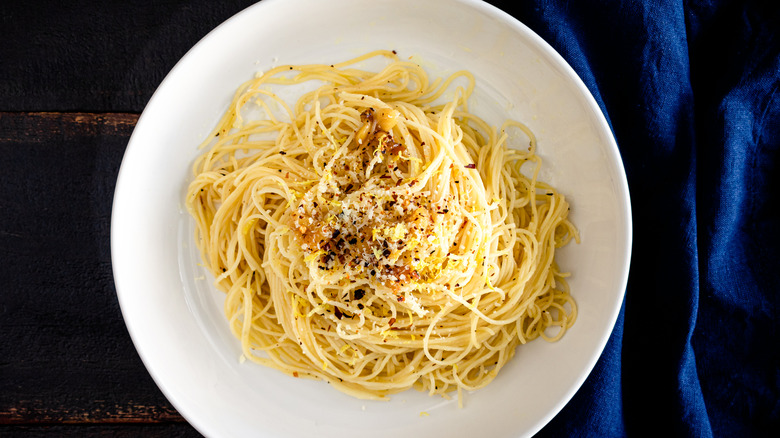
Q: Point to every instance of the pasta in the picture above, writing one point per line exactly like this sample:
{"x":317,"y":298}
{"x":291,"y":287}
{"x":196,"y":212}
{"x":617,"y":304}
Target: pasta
{"x":376,"y":234}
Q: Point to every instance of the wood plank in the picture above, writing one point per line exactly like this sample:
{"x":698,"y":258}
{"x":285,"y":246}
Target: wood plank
{"x":104,"y":430}
{"x":66,"y":356}
{"x":38,"y":127}
{"x":105,"y":58}
{"x":42,"y":412}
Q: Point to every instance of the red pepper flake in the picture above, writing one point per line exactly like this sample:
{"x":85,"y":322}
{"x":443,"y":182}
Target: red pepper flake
{"x":295,"y":373}
{"x":471,"y":166}
{"x":401,"y":299}
{"x":391,"y":322}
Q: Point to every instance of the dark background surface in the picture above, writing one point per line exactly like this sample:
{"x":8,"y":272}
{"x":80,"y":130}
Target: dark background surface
{"x":74,"y":76}
{"x":690,"y":93}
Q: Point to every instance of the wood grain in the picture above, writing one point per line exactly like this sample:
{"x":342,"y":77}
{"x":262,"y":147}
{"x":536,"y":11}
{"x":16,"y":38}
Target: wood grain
{"x":66,"y":357}
{"x":43,"y":412}
{"x":47,"y":127}
{"x":97,"y":56}
{"x":173,"y":430}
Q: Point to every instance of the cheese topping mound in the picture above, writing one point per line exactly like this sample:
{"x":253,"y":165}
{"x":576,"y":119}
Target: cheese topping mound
{"x":361,"y":217}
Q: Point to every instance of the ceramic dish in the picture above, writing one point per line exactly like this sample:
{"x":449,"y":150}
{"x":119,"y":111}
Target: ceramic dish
{"x":174,"y":314}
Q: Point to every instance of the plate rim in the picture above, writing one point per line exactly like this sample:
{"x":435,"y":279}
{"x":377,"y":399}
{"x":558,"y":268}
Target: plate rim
{"x":491,"y":10}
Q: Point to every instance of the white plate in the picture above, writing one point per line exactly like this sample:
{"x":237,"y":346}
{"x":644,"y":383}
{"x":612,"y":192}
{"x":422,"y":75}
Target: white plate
{"x":173,"y":313}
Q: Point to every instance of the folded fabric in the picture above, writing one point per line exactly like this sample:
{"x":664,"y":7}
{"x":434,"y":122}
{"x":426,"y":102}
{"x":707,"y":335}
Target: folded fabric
{"x":691,"y":92}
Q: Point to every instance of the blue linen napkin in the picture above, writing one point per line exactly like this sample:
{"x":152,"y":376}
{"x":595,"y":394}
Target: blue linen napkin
{"x":691,"y":92}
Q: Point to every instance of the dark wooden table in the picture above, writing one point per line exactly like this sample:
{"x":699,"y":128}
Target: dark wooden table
{"x":74,"y":77}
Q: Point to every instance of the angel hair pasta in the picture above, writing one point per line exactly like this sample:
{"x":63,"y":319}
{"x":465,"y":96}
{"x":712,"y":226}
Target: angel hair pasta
{"x":376,"y":234}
